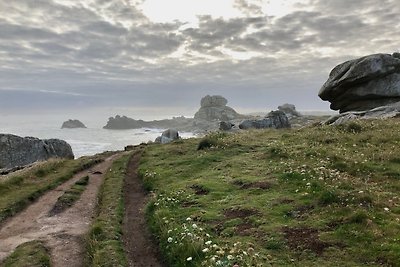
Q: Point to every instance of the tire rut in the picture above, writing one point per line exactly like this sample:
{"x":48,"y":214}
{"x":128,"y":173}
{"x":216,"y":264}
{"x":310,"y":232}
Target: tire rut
{"x":63,"y":233}
{"x":139,"y":246}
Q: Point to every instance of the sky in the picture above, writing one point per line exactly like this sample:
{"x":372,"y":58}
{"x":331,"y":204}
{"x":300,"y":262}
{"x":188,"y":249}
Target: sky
{"x":162,"y":56}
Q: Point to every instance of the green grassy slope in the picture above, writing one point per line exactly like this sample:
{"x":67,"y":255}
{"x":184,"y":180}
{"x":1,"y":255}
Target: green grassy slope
{"x":317,"y":196}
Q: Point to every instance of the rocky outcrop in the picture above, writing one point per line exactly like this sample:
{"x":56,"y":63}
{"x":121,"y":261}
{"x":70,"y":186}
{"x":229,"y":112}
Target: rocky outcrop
{"x":214,"y":108}
{"x":123,"y":122}
{"x":289,"y":110}
{"x":383,"y":112}
{"x":20,"y":151}
{"x":70,"y":124}
{"x":364,"y":83}
{"x":275,"y":119}
{"x":167,"y":136}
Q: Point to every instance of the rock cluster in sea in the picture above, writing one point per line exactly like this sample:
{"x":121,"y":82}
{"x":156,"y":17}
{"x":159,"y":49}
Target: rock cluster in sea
{"x":367,"y":87}
{"x":70,"y":124}
{"x":20,"y":151}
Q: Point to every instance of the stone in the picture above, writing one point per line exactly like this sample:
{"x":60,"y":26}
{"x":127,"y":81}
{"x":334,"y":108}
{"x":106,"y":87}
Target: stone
{"x":225,"y":125}
{"x":171,"y":133}
{"x":364,"y":83}
{"x":289,"y":110}
{"x":21,"y":151}
{"x":70,"y":124}
{"x":383,"y":112}
{"x":274,"y":119}
{"x":214,"y":108}
{"x":167,"y":136}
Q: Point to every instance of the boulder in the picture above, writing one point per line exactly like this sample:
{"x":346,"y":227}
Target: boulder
{"x":225,"y":125}
{"x":20,"y":151}
{"x":214,"y":108}
{"x":274,"y":119}
{"x":167,"y":136}
{"x":364,"y":83}
{"x":289,"y":110}
{"x":72,"y":124}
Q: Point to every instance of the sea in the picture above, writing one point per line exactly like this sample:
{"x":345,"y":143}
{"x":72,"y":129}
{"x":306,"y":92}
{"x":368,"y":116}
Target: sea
{"x":84,"y":141}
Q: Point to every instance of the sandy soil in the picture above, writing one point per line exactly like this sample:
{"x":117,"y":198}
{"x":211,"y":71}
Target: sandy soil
{"x":62,"y":233}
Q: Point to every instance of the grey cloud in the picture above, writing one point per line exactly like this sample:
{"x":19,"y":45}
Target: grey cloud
{"x":248,"y":8}
{"x":106,"y":51}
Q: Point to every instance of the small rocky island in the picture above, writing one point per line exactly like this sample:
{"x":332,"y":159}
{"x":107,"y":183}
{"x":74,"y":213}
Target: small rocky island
{"x":71,"y":124}
{"x":20,"y":151}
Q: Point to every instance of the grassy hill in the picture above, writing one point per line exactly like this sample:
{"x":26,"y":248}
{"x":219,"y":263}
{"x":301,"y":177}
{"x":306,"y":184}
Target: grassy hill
{"x":317,"y":196}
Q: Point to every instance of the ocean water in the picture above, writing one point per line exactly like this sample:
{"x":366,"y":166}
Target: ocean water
{"x":84,"y":142}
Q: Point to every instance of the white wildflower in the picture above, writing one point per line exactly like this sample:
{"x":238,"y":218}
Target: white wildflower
{"x":189,"y":259}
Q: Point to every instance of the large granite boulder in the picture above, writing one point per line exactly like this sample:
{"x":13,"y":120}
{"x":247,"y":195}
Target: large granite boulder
{"x":20,"y":151}
{"x":214,"y":108}
{"x":167,"y":136}
{"x":274,"y":119}
{"x":289,"y":110}
{"x":70,"y":124}
{"x":364,"y":83}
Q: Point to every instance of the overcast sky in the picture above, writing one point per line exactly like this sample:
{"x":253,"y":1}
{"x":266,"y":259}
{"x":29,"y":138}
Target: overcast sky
{"x":164,"y":55}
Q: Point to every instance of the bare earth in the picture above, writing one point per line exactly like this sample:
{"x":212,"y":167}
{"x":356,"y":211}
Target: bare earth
{"x":140,"y":250}
{"x":62,"y":233}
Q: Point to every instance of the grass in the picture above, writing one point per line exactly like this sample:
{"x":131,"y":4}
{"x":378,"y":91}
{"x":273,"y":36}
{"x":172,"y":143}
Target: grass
{"x":21,"y":189}
{"x":316,"y":196}
{"x":30,"y":254}
{"x":104,"y":241}
{"x":70,"y":196}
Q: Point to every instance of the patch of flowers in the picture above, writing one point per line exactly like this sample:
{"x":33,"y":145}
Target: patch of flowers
{"x":189,"y":243}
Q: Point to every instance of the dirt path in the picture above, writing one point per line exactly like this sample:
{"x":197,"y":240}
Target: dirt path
{"x":139,"y":246}
{"x":62,"y":233}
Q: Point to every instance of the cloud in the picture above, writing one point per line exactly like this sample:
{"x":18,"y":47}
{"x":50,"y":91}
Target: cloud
{"x":111,"y":50}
